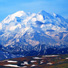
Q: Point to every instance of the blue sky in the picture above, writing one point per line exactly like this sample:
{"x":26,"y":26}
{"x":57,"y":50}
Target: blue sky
{"x":8,"y":7}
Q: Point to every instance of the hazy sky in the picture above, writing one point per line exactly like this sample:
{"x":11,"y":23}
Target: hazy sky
{"x":8,"y":7}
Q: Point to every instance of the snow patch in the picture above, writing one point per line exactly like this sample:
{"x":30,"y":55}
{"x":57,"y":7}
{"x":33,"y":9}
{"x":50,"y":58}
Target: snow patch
{"x":10,"y":65}
{"x":54,"y":14}
{"x":39,"y":17}
{"x":25,"y":63}
{"x":66,"y":58}
{"x":33,"y":65}
{"x":49,"y":63}
{"x":10,"y":61}
{"x":0,"y":26}
{"x":33,"y":19}
{"x":14,"y":27}
{"x":32,"y":61}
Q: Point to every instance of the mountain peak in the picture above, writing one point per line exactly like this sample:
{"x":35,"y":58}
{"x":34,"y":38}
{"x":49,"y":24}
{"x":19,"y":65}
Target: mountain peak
{"x":19,"y":13}
{"x":11,"y":17}
{"x":46,"y":14}
{"x":43,"y":12}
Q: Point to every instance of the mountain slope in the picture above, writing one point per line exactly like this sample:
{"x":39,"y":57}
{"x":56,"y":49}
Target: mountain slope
{"x":25,"y":32}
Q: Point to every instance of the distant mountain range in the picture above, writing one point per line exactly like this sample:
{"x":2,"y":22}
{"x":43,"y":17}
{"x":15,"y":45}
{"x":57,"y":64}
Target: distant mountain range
{"x":29,"y":34}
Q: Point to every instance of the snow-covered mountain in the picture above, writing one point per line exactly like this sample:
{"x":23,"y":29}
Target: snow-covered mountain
{"x":22,"y":31}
